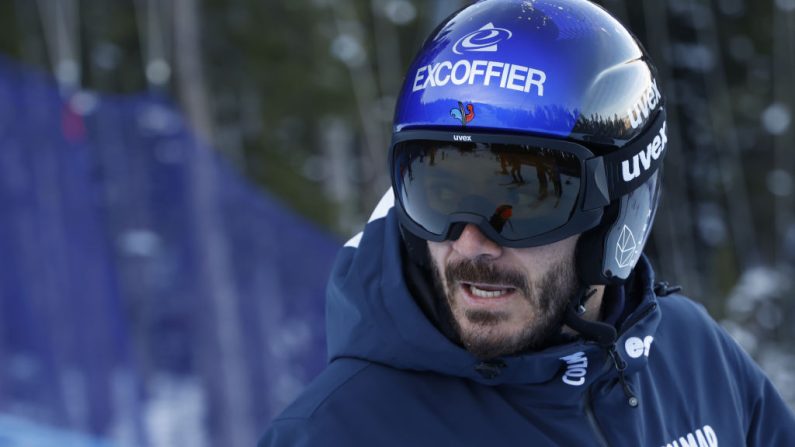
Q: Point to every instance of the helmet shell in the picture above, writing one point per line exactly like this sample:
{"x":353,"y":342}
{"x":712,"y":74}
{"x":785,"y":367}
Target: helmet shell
{"x":562,"y":68}
{"x":555,"y":68}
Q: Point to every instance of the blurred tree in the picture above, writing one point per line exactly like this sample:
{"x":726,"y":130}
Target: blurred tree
{"x":299,"y":95}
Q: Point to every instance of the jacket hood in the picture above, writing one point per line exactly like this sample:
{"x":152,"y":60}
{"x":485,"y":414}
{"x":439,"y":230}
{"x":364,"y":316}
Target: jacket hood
{"x":371,"y":315}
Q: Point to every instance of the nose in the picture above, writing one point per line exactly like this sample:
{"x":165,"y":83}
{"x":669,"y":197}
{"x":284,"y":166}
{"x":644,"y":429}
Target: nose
{"x":473,"y":244}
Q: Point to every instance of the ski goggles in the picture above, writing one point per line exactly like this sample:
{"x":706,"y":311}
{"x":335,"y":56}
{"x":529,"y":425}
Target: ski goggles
{"x":520,"y":191}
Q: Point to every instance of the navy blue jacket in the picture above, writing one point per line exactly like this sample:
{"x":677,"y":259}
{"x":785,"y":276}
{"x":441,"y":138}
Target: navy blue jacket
{"x":395,"y":380}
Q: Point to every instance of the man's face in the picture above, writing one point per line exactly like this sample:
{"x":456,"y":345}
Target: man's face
{"x":504,"y":300}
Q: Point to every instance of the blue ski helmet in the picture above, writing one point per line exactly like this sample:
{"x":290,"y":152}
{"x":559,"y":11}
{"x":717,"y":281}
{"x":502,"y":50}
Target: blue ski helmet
{"x":535,"y":121}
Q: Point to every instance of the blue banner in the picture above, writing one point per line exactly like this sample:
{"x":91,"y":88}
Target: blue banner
{"x":149,"y":294}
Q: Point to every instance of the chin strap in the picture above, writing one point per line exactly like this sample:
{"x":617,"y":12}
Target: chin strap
{"x":602,"y":333}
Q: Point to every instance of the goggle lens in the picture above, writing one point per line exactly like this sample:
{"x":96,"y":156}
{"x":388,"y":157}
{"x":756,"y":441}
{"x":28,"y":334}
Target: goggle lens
{"x":522,"y":191}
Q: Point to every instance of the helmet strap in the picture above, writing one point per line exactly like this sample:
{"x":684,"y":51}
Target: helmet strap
{"x":602,"y":333}
{"x":590,"y":251}
{"x":583,"y":297}
{"x":416,"y":248}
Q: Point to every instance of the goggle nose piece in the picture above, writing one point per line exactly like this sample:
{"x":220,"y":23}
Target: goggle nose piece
{"x":457,"y":228}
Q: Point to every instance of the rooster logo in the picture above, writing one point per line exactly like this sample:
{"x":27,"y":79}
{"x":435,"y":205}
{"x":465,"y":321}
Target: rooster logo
{"x":462,"y":113}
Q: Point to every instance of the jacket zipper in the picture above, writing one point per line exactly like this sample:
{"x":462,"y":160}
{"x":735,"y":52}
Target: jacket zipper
{"x":641,"y":315}
{"x":618,"y":364}
{"x":589,"y":413}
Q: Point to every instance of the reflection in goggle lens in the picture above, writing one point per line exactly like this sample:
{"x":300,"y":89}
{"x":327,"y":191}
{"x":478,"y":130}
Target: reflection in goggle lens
{"x":521,"y":191}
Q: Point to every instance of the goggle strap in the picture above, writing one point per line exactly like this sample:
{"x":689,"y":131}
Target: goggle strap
{"x":629,"y":167}
{"x":597,"y":194}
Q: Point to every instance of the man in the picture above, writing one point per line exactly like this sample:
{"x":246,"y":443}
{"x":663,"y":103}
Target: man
{"x":482,"y":307}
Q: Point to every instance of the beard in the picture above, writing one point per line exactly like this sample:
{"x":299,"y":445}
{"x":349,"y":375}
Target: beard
{"x":548,"y":297}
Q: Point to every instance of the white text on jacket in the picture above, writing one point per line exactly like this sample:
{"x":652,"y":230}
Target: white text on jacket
{"x":703,"y":437}
{"x":576,"y":369}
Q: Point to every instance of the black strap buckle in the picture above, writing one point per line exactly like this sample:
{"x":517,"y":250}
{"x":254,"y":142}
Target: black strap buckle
{"x":662,"y":288}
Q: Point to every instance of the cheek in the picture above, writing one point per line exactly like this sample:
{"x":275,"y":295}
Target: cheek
{"x":541,"y":259}
{"x":561,"y":250}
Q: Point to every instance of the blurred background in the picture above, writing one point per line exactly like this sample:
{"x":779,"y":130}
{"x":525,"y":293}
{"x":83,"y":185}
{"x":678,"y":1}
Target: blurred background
{"x":176,"y":177}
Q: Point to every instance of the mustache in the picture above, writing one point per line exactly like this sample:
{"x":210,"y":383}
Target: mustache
{"x":481,"y":271}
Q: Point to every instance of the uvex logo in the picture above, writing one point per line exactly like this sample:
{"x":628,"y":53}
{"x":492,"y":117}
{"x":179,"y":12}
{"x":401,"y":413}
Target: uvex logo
{"x":462,"y":137}
{"x":576,"y":369}
{"x":641,"y":161}
{"x":643,"y":108}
